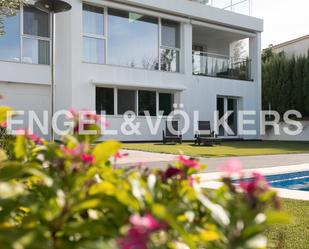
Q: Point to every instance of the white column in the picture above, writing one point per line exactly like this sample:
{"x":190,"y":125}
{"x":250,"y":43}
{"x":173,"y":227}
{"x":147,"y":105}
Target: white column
{"x":255,"y":52}
{"x":187,"y":48}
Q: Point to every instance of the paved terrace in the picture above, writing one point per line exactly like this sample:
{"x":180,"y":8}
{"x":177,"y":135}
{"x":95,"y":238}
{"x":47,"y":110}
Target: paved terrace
{"x":248,"y":162}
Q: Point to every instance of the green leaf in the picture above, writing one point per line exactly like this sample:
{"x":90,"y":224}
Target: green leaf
{"x":103,"y":151}
{"x":3,"y":156}
{"x":20,"y":148}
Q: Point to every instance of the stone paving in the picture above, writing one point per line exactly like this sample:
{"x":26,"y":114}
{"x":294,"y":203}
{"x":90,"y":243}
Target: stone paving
{"x":248,"y":162}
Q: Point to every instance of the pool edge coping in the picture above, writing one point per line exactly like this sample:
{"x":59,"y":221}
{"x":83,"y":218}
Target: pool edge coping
{"x":210,"y":180}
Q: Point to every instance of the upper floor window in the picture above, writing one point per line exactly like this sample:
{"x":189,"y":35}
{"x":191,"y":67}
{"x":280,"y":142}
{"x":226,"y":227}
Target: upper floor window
{"x":130,"y":39}
{"x":10,"y":39}
{"x":36,"y":44}
{"x":31,"y":42}
{"x":170,"y":45}
{"x":94,"y":40}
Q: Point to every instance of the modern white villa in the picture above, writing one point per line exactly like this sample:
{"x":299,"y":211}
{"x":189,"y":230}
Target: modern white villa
{"x":137,"y":55}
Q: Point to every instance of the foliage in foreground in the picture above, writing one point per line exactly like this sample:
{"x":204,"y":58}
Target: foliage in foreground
{"x":70,"y":195}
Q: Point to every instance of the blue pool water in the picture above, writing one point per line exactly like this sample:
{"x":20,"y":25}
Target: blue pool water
{"x":294,"y":181}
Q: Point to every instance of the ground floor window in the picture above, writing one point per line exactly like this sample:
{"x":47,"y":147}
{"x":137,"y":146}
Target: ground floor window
{"x":166,"y":102}
{"x":114,"y":101}
{"x":126,"y":101}
{"x":147,"y":102}
{"x":105,"y":100}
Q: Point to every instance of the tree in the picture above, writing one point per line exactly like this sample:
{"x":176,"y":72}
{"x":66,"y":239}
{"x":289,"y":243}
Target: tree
{"x":8,"y":8}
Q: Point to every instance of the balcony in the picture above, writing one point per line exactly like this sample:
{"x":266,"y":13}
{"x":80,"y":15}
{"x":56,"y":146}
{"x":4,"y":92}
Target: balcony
{"x":215,"y":65}
{"x":239,"y":6}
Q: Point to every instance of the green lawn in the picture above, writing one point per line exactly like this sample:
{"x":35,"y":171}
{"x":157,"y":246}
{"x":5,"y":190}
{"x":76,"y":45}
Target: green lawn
{"x":239,"y":148}
{"x":296,"y":234}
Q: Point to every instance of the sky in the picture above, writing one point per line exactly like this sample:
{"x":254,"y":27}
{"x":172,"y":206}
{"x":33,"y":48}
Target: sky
{"x":283,"y":19}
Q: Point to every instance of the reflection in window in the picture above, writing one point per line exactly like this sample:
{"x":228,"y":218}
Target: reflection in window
{"x":93,"y":50}
{"x":105,"y":100}
{"x":166,"y":101}
{"x":147,"y":102}
{"x":36,"y":51}
{"x":169,"y":60}
{"x":170,"y":46}
{"x":133,"y":39}
{"x":126,"y":101}
{"x":93,"y":20}
{"x":36,"y":22}
{"x":10,"y":40}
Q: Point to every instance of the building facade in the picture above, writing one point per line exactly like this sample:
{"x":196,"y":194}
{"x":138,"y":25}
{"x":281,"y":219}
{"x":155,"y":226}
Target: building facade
{"x":296,"y":47}
{"x":136,"y":55}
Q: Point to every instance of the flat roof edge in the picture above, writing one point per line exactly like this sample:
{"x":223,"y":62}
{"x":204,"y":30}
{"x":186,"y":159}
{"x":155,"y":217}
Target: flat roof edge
{"x":198,"y":11}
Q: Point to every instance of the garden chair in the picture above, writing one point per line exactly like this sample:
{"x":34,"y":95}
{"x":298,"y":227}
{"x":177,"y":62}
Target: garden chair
{"x":205,"y":135}
{"x":173,"y":136}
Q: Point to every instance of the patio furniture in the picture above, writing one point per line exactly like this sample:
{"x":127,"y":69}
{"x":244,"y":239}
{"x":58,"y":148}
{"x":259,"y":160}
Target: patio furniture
{"x":172,"y":135}
{"x":205,"y":135}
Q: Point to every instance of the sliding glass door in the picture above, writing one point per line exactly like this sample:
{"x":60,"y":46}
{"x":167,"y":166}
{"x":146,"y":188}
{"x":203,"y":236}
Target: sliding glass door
{"x":225,"y":105}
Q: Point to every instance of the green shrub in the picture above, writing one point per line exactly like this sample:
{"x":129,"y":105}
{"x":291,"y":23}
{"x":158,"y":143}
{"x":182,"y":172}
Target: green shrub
{"x":70,"y":195}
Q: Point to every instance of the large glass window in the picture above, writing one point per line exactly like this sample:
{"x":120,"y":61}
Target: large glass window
{"x":36,"y":51}
{"x":105,"y":100}
{"x":93,"y":20}
{"x":132,"y":39}
{"x":36,"y":22}
{"x":166,"y":101}
{"x":10,"y":39}
{"x":36,"y":44}
{"x":94,"y":40}
{"x":147,"y":102}
{"x":170,"y":45}
{"x":126,"y":101}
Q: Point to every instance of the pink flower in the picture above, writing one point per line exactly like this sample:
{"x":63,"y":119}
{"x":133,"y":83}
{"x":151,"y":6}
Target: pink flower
{"x":146,"y":222}
{"x":190,"y":163}
{"x":171,"y":172}
{"x":233,"y":166}
{"x":87,"y":158}
{"x":258,"y":184}
{"x":35,"y":138}
{"x":72,"y":152}
{"x":118,"y":155}
{"x":72,"y":114}
{"x":140,"y":231}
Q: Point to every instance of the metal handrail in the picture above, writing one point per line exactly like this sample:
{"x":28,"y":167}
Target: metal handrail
{"x":218,"y":65}
{"x":202,"y":53}
{"x":229,"y":7}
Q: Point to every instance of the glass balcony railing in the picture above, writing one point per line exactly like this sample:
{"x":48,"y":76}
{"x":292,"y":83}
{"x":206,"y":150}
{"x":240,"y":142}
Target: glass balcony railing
{"x":239,"y":6}
{"x":214,"y":65}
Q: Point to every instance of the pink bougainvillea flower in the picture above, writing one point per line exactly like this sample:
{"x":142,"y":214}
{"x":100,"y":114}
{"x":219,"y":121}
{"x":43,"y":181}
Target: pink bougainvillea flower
{"x":72,"y":113}
{"x":171,"y":172}
{"x":192,"y":180}
{"x":135,"y":239}
{"x":189,"y":162}
{"x":147,"y":222}
{"x":87,"y":158}
{"x":140,"y":231}
{"x":35,"y":138}
{"x":120,"y":155}
{"x":233,"y":166}
{"x":72,"y":152}
{"x":258,"y":184}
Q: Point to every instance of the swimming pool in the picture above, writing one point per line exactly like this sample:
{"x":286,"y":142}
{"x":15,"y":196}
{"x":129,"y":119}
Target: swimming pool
{"x":294,"y":181}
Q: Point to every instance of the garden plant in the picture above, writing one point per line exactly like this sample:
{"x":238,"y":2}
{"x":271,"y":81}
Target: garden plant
{"x":71,"y":195}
